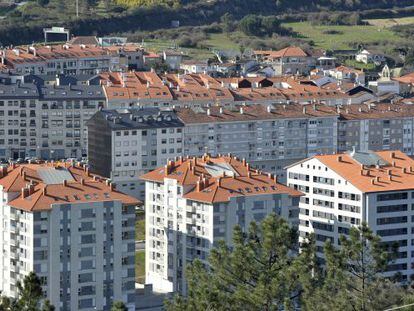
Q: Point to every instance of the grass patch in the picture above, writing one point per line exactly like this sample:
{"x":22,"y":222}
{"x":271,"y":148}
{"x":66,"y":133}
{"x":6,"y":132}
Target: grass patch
{"x":341,"y":37}
{"x":140,"y":267}
{"x":140,"y":226}
{"x":390,"y":22}
{"x":361,"y":66}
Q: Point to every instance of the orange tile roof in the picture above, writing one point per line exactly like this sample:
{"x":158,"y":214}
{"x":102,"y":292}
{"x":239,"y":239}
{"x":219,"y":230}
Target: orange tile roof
{"x":255,"y":112}
{"x":243,"y":181}
{"x":408,"y":78}
{"x":39,"y":195}
{"x":291,"y":51}
{"x":376,"y":111}
{"x":397,"y":175}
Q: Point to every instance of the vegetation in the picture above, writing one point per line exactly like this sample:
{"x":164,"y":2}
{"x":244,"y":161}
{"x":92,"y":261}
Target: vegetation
{"x":260,"y":273}
{"x":140,"y":267}
{"x":30,"y":296}
{"x":140,"y":226}
{"x":119,"y":306}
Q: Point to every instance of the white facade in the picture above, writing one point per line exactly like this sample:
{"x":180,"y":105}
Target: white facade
{"x":332,"y":205}
{"x":179,"y":229}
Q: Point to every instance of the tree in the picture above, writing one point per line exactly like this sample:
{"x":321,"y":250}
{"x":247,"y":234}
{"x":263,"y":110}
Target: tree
{"x":30,"y":292}
{"x":43,"y":3}
{"x":270,"y":25}
{"x":353,"y":275}
{"x":47,"y":306}
{"x":228,"y":22}
{"x":250,"y":25}
{"x":257,"y":273}
{"x":119,"y":306}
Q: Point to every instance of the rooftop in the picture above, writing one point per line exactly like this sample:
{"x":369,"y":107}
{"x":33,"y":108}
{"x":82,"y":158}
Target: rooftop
{"x":42,"y":185}
{"x":373,"y":171}
{"x":218,"y":179}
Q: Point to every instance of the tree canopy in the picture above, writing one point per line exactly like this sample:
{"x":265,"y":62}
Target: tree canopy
{"x":262,"y":270}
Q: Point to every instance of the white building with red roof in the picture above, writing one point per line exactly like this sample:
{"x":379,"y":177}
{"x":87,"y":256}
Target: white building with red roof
{"x":344,"y":190}
{"x":73,"y":229}
{"x":192,"y":203}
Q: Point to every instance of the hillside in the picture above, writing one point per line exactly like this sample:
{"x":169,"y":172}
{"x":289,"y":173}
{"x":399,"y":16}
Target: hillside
{"x":24,"y":24}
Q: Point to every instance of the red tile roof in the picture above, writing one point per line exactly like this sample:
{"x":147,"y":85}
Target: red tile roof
{"x":242,"y":181}
{"x":40,"y":195}
{"x":397,"y":175}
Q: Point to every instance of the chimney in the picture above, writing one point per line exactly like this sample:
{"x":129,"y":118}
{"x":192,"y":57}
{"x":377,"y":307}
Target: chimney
{"x":221,"y":110}
{"x":372,"y":181}
{"x":31,"y":189}
{"x":44,"y":190}
{"x":219,"y":181}
{"x":25,"y":192}
{"x":404,"y":170}
{"x":249,"y":174}
{"x":248,"y":166}
{"x":392,"y":155}
{"x":3,"y":171}
{"x":83,"y":181}
{"x":167,"y":169}
{"x":112,"y":186}
{"x":107,"y":182}
{"x":304,"y":110}
{"x":241,"y":110}
{"x":339,"y":158}
{"x":244,"y":162}
{"x":199,"y":185}
{"x":390,"y":178}
{"x":65,"y":183}
{"x":275,"y":178}
{"x":208,"y":112}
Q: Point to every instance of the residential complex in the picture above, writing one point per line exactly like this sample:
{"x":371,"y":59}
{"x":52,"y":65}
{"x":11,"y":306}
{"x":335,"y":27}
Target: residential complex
{"x":193,"y":202}
{"x":74,"y":230}
{"x":343,"y":190}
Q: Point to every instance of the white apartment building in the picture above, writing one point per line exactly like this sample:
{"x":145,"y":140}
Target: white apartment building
{"x":191,"y":203}
{"x":344,"y":190}
{"x":74,"y":230}
{"x":123,"y":144}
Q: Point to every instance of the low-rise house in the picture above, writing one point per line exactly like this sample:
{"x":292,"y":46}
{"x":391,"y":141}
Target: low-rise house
{"x":366,"y":57}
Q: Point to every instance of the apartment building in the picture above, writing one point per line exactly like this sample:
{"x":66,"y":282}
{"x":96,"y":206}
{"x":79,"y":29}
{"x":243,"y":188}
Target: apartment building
{"x":148,"y":89}
{"x":46,"y":121}
{"x":74,"y":230}
{"x":70,"y":59}
{"x":123,"y":144}
{"x":344,"y":190}
{"x":193,"y":202}
{"x":269,"y":137}
{"x":376,"y":127}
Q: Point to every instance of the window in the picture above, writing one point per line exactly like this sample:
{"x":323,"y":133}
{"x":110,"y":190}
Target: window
{"x":392,"y":196}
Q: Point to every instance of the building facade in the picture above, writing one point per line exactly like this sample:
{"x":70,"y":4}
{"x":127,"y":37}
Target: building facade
{"x":123,"y":144}
{"x":192,"y":203}
{"x":344,"y":190}
{"x":44,"y":121}
{"x":74,"y":230}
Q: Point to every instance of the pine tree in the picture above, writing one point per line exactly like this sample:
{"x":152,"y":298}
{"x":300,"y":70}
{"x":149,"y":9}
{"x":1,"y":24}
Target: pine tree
{"x":30,"y":292}
{"x":258,"y":273}
{"x":353,"y":278}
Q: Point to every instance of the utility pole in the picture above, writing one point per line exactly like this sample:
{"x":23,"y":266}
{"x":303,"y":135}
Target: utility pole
{"x":77,"y":8}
